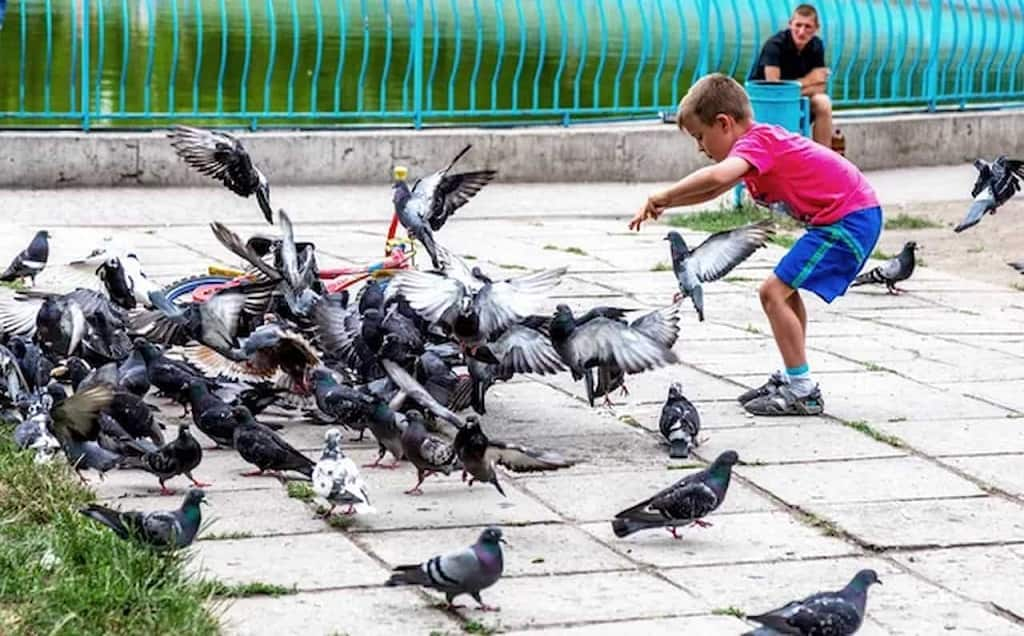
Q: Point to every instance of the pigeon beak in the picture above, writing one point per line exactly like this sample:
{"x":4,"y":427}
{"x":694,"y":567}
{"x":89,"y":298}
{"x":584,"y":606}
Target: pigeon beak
{"x":204,"y":502}
{"x":503,"y":541}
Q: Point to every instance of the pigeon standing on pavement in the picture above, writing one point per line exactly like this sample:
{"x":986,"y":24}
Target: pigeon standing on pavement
{"x":430,"y":454}
{"x":713,"y":259}
{"x":466,"y":571}
{"x":336,"y":479}
{"x":896,"y":269}
{"x":996,"y":183}
{"x":179,"y":457}
{"x":479,"y":454}
{"x":680,"y":423}
{"x":221,"y":156}
{"x":30,"y":261}
{"x":837,"y":613}
{"x":160,"y":529}
{"x":265,"y":449}
{"x":683,"y":503}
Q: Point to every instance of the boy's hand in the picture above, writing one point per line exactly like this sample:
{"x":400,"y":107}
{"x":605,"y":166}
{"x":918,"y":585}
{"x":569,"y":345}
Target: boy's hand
{"x":650,"y":211}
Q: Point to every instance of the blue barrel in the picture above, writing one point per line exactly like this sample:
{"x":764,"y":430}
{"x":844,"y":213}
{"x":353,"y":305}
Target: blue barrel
{"x":779,"y":103}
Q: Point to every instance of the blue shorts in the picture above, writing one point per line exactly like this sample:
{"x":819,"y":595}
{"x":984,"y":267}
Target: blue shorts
{"x":827,"y":258}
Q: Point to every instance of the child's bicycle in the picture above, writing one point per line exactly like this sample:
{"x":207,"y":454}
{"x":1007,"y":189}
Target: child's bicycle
{"x":398,"y":255}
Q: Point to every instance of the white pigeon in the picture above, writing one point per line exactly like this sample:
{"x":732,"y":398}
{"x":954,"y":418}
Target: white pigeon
{"x":336,"y":479}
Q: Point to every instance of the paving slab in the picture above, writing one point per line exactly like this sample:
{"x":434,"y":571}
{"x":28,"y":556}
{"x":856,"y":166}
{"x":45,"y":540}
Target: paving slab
{"x":988,"y":574}
{"x":1005,"y":393}
{"x":703,"y":625}
{"x":735,"y":538}
{"x":1001,"y":471}
{"x":880,"y":396}
{"x":531,"y":550}
{"x":383,"y":611}
{"x":590,"y":498}
{"x":959,"y":437}
{"x":809,"y":442}
{"x":935,"y":522}
{"x":306,"y":561}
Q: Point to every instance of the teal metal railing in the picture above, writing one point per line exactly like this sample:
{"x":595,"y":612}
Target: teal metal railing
{"x":262,"y":63}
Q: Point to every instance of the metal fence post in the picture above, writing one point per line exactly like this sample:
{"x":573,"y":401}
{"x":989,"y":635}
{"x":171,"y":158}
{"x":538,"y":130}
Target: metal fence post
{"x":932,"y":70}
{"x":84,"y":79}
{"x":704,"y":23}
{"x":417,"y":64}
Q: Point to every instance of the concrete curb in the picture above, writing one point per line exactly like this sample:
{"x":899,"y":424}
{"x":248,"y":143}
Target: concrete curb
{"x":607,"y":152}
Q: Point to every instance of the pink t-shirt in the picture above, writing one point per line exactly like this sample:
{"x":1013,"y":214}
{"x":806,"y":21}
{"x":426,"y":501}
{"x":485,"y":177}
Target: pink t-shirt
{"x":808,"y":181}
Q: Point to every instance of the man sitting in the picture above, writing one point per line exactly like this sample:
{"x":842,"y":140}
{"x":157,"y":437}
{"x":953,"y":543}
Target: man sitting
{"x":797,"y":53}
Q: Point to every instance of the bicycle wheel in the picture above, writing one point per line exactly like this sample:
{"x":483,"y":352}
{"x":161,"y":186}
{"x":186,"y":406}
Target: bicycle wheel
{"x":183,"y":287}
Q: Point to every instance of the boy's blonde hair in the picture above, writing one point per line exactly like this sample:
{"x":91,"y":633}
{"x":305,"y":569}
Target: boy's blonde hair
{"x":711,"y":95}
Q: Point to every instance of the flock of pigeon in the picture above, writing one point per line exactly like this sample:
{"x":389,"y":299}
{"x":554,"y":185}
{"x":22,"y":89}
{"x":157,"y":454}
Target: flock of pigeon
{"x":85,"y":345}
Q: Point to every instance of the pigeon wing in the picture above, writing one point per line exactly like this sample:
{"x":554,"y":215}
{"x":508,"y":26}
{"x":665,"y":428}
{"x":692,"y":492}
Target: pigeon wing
{"x":454,"y":191}
{"x":434,"y":297}
{"x":413,"y":389}
{"x":524,"y":350}
{"x":524,"y":459}
{"x":722,"y":251}
{"x":602,"y":341}
{"x":661,"y":325}
{"x":218,"y":155}
{"x":503,"y":303}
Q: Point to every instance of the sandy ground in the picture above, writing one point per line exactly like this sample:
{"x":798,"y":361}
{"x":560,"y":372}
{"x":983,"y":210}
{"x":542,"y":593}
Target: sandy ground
{"x":979,"y":253}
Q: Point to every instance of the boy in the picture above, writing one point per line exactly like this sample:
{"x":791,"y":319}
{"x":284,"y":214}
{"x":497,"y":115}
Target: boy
{"x":784,"y":171}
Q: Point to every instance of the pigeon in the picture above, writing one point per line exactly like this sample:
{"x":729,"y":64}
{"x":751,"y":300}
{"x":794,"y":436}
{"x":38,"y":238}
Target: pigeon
{"x":424,"y":208}
{"x":74,"y":421}
{"x":838,"y":613}
{"x":684,"y":502}
{"x":892,"y":271}
{"x":222,"y":156}
{"x":169,"y":529}
{"x":479,"y":454}
{"x":117,"y":283}
{"x":428,"y":453}
{"x":211,"y":415}
{"x":345,"y":405}
{"x":996,"y":183}
{"x":383,"y":422}
{"x":466,"y":571}
{"x":30,"y":261}
{"x":175,"y":458}
{"x":518,"y":349}
{"x":598,"y":341}
{"x":13,"y":384}
{"x":714,"y":258}
{"x":680,"y":423}
{"x":132,"y":374}
{"x":32,"y":434}
{"x":336,"y":479}
{"x":265,"y":449}
{"x":35,"y":367}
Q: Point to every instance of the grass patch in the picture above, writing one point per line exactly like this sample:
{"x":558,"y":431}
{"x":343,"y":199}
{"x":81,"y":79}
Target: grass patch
{"x":300,"y":490}
{"x":61,"y":573}
{"x":227,"y":536}
{"x":549,"y":246}
{"x":871,"y":366}
{"x":864,"y":427}
{"x":1018,"y":286}
{"x":729,"y":611}
{"x":685,"y":466}
{"x":629,"y":419}
{"x":469,"y":257}
{"x":828,"y":528}
{"x":341,"y":522}
{"x":511,"y":266}
{"x":976,"y":250}
{"x":882,"y":256}
{"x":752,"y":329}
{"x":245,"y":590}
{"x":661,"y":266}
{"x":727,"y":217}
{"x":905,"y":221}
{"x":476,"y":627}
{"x":575,"y":250}
{"x":741,"y":279}
{"x":16,"y":284}
{"x":785,"y":240}
{"x":897,"y":419}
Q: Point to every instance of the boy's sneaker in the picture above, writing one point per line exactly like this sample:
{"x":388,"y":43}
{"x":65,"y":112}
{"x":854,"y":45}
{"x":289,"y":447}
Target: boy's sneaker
{"x":784,"y":402}
{"x":768,"y":388}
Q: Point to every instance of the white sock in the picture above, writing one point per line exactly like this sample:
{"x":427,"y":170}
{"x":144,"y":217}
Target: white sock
{"x":800,"y":382}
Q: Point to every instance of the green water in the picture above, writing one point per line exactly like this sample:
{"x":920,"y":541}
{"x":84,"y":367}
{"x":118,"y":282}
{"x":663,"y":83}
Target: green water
{"x":338,"y":62}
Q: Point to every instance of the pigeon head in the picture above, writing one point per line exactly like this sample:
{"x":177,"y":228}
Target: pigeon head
{"x":725,"y":461}
{"x":322,"y":376}
{"x":472,"y":423}
{"x":332,"y":438}
{"x":910,"y":246}
{"x":491,"y":536}
{"x":194,"y":497}
{"x":864,"y":579}
{"x":676,"y":242}
{"x":42,"y":234}
{"x":243,"y":415}
{"x":147,"y":349}
{"x":675,"y":390}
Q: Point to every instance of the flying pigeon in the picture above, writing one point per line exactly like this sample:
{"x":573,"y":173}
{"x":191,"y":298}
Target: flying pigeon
{"x":424,"y":208}
{"x":838,"y":613}
{"x":30,"y":261}
{"x":221,"y":156}
{"x":683,"y":503}
{"x":892,"y":271}
{"x":336,"y":479}
{"x":466,"y":571}
{"x":714,"y":258}
{"x":996,"y":183}
{"x":479,"y":454}
{"x":680,"y":423}
{"x":265,"y":449}
{"x":162,"y":529}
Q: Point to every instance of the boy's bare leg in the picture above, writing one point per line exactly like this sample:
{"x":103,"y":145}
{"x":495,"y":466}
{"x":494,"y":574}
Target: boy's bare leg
{"x":788,"y":320}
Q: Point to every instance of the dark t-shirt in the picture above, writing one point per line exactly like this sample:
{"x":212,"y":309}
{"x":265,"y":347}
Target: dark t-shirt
{"x":780,"y":51}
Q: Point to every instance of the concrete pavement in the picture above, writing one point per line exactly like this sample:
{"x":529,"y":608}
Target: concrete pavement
{"x":914,"y":470}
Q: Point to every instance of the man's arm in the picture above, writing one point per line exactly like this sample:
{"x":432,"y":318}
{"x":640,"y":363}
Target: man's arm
{"x":702,"y":185}
{"x":814,"y":82}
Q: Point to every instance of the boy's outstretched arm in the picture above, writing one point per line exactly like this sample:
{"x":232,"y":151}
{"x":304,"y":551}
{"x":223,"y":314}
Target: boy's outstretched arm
{"x":697,"y":187}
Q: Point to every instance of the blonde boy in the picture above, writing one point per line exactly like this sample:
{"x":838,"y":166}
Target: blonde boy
{"x":810,"y":183}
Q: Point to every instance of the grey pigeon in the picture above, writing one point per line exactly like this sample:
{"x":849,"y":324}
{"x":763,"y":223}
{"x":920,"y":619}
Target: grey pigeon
{"x":466,"y":571}
{"x":336,"y":479}
{"x":479,"y":454}
{"x":341,"y":403}
{"x":714,"y":258}
{"x":424,"y":208}
{"x":383,"y":422}
{"x":838,"y":613}
{"x":30,"y":261}
{"x":996,"y":183}
{"x":178,"y":457}
{"x":265,"y":449}
{"x":683,"y":503}
{"x":161,"y":529}
{"x":896,"y":269}
{"x":680,"y":423}
{"x":428,"y":453}
{"x":221,"y":156}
